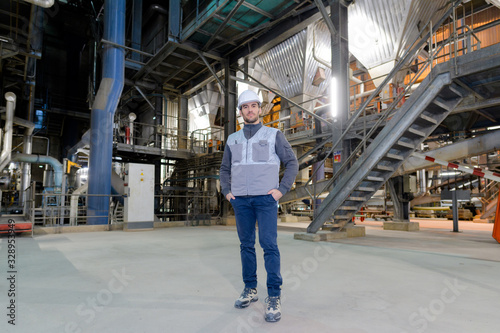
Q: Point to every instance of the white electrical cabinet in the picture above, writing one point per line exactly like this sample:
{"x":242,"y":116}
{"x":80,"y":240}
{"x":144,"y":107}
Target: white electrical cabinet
{"x":139,"y":201}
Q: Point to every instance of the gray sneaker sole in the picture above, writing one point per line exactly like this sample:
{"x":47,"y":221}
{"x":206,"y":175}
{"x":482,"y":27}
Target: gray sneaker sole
{"x":271,"y":319}
{"x":245,"y":305}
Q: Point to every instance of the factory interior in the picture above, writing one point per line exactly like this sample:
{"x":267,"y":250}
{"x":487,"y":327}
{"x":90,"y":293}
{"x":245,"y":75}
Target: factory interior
{"x":114,"y":118}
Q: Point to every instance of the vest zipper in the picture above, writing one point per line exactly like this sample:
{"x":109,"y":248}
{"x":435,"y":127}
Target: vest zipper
{"x":246,"y":161}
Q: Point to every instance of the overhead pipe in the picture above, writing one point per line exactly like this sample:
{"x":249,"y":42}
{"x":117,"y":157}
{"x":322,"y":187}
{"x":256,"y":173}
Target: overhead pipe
{"x":43,"y":159}
{"x":106,"y":101}
{"x":7,"y":138}
{"x":462,"y":167}
{"x":471,"y":147}
{"x":41,"y":3}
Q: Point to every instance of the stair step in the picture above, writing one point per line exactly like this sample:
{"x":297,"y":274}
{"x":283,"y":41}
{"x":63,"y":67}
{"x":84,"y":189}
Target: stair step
{"x":429,"y":119}
{"x":375,"y":179}
{"x":457,"y":89}
{"x":331,"y":226}
{"x":356,"y":199}
{"x":365,"y":189}
{"x":441,"y":103}
{"x":384,"y":167}
{"x":405,"y":144}
{"x":416,"y":132}
{"x":354,"y":208}
{"x":394,"y":157}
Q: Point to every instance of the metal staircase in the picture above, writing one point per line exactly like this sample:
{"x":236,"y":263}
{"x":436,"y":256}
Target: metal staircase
{"x":406,"y":128}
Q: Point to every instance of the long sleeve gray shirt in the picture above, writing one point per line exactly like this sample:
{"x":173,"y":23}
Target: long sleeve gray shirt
{"x":283,"y":150}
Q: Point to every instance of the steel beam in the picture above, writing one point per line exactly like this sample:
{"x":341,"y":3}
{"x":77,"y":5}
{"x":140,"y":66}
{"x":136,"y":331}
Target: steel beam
{"x":212,"y":71}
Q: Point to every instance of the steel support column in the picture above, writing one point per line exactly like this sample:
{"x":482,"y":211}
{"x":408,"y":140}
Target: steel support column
{"x":339,"y":85}
{"x":401,"y":211}
{"x":319,"y":175}
{"x":183,"y":123}
{"x":158,"y":117}
{"x":230,"y":105}
{"x":230,"y":98}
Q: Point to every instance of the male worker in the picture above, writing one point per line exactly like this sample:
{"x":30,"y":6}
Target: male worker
{"x":249,"y":177}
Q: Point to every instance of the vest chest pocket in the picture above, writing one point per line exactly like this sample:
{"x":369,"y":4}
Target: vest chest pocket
{"x":236,"y":153}
{"x":260,"y":151}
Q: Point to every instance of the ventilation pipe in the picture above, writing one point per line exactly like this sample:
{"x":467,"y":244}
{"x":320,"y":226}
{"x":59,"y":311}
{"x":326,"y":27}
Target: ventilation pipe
{"x":73,"y":211}
{"x":41,"y":3}
{"x":7,"y":138}
{"x":43,"y":159}
{"x":106,"y":101}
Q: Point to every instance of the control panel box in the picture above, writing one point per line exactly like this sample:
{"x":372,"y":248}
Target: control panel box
{"x":139,"y":201}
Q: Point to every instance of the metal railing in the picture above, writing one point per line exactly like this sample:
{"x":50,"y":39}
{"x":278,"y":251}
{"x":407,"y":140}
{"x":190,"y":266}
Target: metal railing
{"x":56,"y":209}
{"x":206,"y":140}
{"x":150,"y":135}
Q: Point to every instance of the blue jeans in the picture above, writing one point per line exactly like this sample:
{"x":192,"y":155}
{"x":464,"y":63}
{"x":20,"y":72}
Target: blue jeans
{"x":264,"y":209}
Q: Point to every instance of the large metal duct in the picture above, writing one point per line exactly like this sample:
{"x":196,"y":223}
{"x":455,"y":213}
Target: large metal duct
{"x":106,"y":101}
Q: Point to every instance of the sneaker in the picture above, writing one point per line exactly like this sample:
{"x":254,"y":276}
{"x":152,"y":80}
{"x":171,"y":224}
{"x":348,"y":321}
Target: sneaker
{"x":247,"y":296}
{"x":273,"y":308}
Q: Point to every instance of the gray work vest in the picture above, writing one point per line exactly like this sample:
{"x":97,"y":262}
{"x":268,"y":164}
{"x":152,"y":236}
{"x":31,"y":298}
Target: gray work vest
{"x":254,"y":164}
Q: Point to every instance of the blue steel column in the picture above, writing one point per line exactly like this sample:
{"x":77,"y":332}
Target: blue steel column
{"x":106,"y":101}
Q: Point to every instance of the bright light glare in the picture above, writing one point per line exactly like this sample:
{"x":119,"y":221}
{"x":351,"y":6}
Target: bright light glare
{"x":333,"y":96}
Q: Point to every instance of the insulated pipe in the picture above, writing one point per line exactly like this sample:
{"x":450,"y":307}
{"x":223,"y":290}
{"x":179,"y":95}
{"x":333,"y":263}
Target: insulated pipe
{"x":41,"y":3}
{"x":73,"y":210}
{"x":43,"y":159}
{"x":106,"y":101}
{"x":471,"y":147}
{"x":27,"y":149}
{"x":464,"y":168}
{"x":7,"y":138}
{"x":422,"y":183}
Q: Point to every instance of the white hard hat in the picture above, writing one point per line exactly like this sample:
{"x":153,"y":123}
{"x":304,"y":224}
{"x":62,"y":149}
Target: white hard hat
{"x":248,"y":96}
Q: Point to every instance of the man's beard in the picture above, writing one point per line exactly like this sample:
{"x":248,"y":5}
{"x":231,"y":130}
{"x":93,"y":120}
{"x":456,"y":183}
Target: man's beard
{"x":250,"y":120}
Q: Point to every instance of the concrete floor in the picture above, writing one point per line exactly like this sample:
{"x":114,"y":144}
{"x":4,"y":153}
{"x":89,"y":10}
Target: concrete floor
{"x":186,"y":280}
